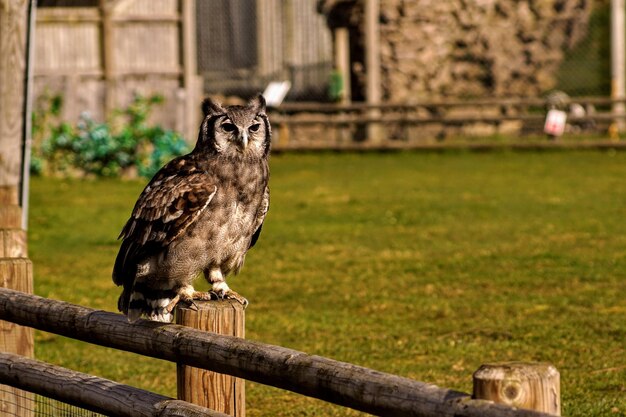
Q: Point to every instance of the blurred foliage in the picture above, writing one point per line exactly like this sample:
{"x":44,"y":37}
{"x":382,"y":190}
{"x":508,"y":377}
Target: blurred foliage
{"x":336,"y":89}
{"x":586,"y":69}
{"x":111,"y":149}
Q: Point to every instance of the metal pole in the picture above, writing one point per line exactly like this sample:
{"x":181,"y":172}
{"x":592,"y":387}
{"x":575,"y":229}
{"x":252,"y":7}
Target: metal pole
{"x":27,"y":136}
{"x":372,"y":62}
{"x":618,"y":66}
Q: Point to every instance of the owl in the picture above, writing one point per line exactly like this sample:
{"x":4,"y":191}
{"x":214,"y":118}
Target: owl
{"x":200,"y":213}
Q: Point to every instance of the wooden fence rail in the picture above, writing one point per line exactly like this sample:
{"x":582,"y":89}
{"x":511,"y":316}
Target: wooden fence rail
{"x":344,"y":120}
{"x":326,"y":379}
{"x":391,"y":146}
{"x":486,"y":102}
{"x":91,"y":392}
{"x":416,"y":126}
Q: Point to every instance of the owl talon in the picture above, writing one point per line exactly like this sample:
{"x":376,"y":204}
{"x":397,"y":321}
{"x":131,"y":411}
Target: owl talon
{"x":232,"y":295}
{"x":172,"y":304}
{"x":203,"y":296}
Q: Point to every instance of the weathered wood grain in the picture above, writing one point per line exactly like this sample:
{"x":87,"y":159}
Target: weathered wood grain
{"x":329,"y":380}
{"x":10,"y":217}
{"x":16,"y":273}
{"x":12,"y":64}
{"x":13,"y":243}
{"x":91,"y":392}
{"x":8,"y":195}
{"x":535,"y":386}
{"x":213,"y":390}
{"x":191,"y":82}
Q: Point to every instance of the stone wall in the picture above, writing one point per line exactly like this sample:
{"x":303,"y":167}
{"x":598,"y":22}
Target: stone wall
{"x":434,"y":49}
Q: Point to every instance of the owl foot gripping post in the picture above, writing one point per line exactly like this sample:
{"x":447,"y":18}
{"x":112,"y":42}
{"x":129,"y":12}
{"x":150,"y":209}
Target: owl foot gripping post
{"x":188,"y":296}
{"x":201,"y":212}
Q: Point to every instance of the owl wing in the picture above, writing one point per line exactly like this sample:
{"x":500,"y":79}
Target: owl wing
{"x":261,"y":213}
{"x":169,"y":204}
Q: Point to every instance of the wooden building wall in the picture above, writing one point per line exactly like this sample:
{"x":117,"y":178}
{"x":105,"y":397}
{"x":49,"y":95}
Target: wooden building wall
{"x":99,"y":57}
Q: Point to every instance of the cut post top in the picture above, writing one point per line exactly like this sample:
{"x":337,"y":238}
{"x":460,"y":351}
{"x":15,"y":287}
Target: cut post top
{"x":534,"y":386}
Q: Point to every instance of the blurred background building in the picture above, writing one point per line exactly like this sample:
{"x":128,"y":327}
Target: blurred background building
{"x":477,"y":48}
{"x":244,"y":45}
{"x":98,"y":53}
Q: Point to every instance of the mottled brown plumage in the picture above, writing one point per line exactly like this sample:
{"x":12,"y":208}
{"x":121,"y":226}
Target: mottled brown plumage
{"x":200,"y":213}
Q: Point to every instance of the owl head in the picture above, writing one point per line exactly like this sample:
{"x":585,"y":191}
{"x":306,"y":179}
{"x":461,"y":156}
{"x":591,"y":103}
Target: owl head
{"x":237,"y":131}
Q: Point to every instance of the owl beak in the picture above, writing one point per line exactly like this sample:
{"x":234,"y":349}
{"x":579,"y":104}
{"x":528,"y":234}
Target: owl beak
{"x":243,"y":140}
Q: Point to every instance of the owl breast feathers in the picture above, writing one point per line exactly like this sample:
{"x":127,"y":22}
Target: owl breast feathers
{"x":200,"y":213}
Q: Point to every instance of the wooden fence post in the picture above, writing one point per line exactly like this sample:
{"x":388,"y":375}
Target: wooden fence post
{"x":16,"y":272}
{"x":15,"y":268}
{"x":192,"y":82}
{"x":534,"y":386}
{"x":223,"y":393}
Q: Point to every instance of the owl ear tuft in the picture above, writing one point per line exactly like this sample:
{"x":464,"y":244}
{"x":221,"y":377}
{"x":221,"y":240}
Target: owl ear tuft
{"x":210,"y":107}
{"x":258,"y":104}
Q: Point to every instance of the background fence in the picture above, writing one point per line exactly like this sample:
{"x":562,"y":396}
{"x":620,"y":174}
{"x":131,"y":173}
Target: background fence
{"x":98,"y":56}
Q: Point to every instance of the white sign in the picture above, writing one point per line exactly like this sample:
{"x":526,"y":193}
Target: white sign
{"x":275,"y":92}
{"x":555,"y":122}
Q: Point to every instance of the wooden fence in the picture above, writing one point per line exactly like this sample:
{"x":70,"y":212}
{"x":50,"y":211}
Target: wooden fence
{"x":88,"y":391}
{"x":98,"y":57}
{"x":429,"y":124}
{"x":326,"y":379}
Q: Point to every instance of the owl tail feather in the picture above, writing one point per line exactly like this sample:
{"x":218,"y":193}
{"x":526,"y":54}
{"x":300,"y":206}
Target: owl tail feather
{"x":122,"y":301}
{"x":154,"y":309}
{"x":123,"y":306}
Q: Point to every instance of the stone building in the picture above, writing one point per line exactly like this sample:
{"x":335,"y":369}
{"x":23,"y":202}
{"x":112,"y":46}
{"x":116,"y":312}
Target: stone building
{"x":431,"y":49}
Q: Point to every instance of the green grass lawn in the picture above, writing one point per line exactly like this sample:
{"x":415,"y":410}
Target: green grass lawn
{"x":424,"y":265}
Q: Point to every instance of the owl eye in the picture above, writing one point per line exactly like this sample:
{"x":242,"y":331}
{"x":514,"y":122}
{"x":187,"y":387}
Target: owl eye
{"x":229,"y":127}
{"x":255,"y":127}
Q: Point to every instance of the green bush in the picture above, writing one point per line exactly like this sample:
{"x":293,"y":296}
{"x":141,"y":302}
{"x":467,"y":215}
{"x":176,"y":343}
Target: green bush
{"x":102,"y":149}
